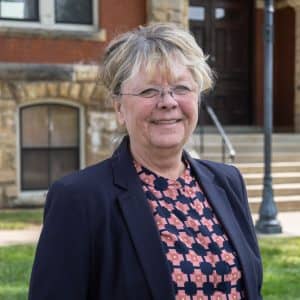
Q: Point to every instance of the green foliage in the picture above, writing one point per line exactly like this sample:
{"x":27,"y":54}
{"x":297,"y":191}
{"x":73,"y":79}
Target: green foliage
{"x":15,"y":268}
{"x":281,"y":260}
{"x":20,"y":218}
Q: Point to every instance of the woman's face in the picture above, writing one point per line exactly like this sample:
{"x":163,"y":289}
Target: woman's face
{"x":160,"y":122}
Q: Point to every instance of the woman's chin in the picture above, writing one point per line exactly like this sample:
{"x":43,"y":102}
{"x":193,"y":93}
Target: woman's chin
{"x":168,"y":142}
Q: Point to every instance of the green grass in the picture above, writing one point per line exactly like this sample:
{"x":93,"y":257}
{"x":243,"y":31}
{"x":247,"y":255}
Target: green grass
{"x":281,"y":260}
{"x":20,"y":218}
{"x":15,"y":268}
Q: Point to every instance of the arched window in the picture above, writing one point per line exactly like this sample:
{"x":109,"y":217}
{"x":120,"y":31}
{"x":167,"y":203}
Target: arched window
{"x":49,"y":139}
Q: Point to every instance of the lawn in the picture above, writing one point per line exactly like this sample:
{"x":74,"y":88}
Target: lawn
{"x":15,"y":267}
{"x":20,"y":218}
{"x":281,"y":258}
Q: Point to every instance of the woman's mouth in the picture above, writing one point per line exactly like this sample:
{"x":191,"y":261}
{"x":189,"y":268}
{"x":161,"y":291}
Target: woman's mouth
{"x":166,"y":122}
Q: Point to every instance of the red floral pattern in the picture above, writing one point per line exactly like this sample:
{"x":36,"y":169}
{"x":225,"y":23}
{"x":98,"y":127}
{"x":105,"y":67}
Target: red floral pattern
{"x":204,"y":265}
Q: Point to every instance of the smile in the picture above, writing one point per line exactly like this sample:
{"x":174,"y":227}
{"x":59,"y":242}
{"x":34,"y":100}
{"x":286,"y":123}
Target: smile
{"x":166,"y":122}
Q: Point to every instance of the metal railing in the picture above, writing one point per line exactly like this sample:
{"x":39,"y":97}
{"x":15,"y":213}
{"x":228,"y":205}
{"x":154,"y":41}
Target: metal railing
{"x":226,"y":144}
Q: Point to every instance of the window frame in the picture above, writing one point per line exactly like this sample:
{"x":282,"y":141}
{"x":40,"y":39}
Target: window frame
{"x":39,"y":194}
{"x":47,"y":19}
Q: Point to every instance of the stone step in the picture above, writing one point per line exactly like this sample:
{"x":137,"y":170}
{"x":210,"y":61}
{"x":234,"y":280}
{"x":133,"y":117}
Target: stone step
{"x":283,"y":203}
{"x":277,"y":167}
{"x":249,"y":137}
{"x":283,"y":189}
{"x":278,"y":178}
{"x":251,"y":147}
{"x":255,"y":157}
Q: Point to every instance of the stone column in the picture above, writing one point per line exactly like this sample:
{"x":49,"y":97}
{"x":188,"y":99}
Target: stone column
{"x":297,"y":71}
{"x":259,"y":4}
{"x":296,"y":5}
{"x":8,"y":188}
{"x":174,"y":11}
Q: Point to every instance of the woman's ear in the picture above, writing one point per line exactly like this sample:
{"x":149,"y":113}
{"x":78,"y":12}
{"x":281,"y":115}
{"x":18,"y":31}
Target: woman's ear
{"x":119,"y":113}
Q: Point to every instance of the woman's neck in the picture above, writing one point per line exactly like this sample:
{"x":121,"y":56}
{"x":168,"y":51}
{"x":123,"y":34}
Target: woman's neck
{"x":164,"y":162}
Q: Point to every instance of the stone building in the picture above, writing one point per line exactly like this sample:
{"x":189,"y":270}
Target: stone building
{"x":55,"y":117}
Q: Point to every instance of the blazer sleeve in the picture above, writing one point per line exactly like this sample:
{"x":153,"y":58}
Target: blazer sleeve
{"x":255,"y":247}
{"x":61,"y":266}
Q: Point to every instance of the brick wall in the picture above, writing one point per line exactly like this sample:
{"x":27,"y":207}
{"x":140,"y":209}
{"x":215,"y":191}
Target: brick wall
{"x":41,"y":46}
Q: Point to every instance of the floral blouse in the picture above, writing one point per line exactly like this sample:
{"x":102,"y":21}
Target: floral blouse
{"x":202,"y":261}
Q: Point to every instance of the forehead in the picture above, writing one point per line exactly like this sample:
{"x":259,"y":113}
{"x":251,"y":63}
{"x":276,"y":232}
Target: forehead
{"x":160,"y":72}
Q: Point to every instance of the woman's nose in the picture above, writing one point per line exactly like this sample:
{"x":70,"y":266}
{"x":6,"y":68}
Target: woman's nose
{"x":166,"y":100}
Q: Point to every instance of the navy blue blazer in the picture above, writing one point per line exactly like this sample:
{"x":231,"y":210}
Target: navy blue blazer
{"x":100,"y":242}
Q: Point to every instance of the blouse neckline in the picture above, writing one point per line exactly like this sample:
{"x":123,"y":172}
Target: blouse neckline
{"x":151,"y":178}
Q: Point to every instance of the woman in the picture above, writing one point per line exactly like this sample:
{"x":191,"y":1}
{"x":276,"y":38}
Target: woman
{"x":150,"y":222}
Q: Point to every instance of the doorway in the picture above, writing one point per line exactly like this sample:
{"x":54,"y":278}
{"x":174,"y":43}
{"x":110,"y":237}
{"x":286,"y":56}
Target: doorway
{"x":222,"y":28}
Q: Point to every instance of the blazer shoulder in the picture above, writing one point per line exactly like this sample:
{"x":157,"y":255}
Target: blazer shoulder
{"x":219,"y":169}
{"x":89,"y":177}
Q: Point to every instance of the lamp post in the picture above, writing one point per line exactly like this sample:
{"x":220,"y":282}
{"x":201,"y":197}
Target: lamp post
{"x":267,"y":222}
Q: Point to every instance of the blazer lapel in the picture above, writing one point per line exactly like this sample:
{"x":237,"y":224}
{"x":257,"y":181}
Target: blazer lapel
{"x":141,"y":225}
{"x":218,"y":198}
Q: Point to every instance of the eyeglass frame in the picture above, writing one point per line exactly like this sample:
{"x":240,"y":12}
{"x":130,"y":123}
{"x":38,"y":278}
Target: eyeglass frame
{"x":161,"y":92}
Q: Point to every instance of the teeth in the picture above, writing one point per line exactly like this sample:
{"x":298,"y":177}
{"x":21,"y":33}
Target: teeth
{"x":166,"y":121}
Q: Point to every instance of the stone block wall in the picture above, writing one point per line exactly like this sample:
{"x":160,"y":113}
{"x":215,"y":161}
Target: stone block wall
{"x":174,"y":11}
{"x":29,"y":84}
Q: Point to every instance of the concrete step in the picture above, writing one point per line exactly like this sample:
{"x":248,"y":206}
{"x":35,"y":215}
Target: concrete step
{"x":283,"y":203}
{"x":277,"y":167}
{"x":283,"y":189}
{"x":251,"y":147}
{"x":250,"y":160}
{"x":278,"y":178}
{"x":249,"y":137}
{"x":255,"y":157}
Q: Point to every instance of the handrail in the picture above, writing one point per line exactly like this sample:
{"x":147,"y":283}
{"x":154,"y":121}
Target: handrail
{"x":225,"y":140}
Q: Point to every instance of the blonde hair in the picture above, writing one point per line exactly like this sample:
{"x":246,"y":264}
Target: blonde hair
{"x":146,"y":47}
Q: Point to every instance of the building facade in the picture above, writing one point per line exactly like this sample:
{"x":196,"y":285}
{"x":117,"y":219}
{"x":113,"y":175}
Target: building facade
{"x":55,"y":117}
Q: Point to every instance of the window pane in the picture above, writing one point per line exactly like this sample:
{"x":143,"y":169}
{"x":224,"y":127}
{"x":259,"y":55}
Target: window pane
{"x":34,"y":169}
{"x":227,"y":14}
{"x":25,"y":10}
{"x":50,"y":144}
{"x":63,"y":162}
{"x":197,"y":13}
{"x":219,"y":13}
{"x":64,"y":126}
{"x":34,"y":126}
{"x":73,"y":11}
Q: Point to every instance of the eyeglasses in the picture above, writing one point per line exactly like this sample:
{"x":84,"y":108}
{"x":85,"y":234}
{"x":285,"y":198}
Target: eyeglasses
{"x":176,"y":92}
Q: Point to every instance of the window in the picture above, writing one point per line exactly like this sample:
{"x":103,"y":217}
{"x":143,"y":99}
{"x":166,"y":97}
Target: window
{"x":197,"y":13}
{"x":50,"y":14}
{"x":19,"y":10}
{"x":49,"y":141}
{"x":73,"y":11}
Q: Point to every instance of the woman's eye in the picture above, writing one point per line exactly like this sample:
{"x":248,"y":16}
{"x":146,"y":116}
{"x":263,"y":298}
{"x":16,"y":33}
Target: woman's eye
{"x":181,"y":90}
{"x":149,"y":93}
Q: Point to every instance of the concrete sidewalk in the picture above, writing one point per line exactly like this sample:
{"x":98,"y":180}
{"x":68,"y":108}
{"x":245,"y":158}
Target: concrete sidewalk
{"x":15,"y":237}
{"x":290,"y":222}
